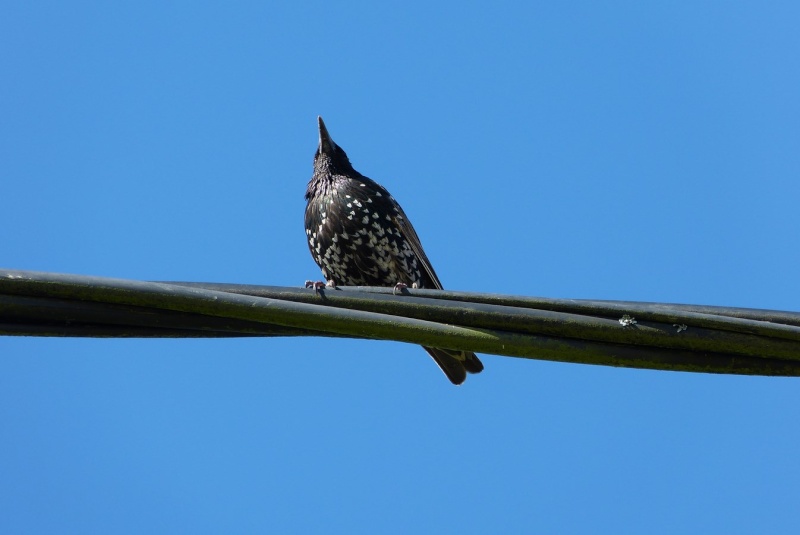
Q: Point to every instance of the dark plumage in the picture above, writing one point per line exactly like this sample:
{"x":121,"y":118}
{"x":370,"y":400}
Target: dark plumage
{"x":359,"y":236}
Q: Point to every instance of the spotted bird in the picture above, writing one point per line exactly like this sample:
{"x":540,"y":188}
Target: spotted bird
{"x":359,"y":236}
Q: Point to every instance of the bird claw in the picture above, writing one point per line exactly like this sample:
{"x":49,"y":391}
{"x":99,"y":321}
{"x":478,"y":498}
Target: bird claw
{"x":400,"y":286}
{"x":319,"y":285}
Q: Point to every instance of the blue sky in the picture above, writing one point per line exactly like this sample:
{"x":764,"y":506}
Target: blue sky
{"x":617,"y":150}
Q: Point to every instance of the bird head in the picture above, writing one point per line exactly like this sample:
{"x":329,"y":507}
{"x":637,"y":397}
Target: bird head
{"x":329,"y":155}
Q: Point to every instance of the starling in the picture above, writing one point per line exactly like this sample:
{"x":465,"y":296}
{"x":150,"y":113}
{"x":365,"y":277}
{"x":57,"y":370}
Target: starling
{"x":359,"y":236}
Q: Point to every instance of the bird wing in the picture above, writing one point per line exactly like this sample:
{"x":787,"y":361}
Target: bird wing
{"x":408,"y":232}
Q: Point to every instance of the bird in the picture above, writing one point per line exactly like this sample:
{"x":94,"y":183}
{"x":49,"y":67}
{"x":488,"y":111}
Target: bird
{"x":359,"y":236}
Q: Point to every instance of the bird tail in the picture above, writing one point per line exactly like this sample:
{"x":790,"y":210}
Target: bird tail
{"x":455,"y":364}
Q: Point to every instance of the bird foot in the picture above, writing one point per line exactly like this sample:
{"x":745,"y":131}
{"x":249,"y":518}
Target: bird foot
{"x":400,"y":286}
{"x":319,"y":285}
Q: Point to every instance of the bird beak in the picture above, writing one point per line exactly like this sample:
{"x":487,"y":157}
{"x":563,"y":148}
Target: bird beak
{"x":326,"y":144}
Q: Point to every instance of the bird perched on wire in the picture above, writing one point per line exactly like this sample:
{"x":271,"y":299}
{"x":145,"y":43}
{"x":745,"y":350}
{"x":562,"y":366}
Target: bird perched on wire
{"x":359,"y":236}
